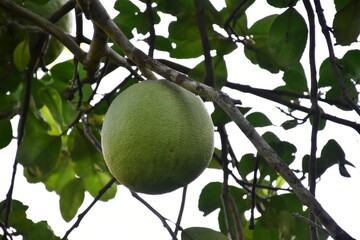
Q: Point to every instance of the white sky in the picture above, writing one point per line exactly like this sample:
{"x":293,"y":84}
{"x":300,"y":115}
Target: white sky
{"x":125,"y":218}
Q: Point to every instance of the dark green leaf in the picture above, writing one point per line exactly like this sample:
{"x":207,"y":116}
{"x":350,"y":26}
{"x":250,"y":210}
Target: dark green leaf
{"x":210,"y":198}
{"x":6,"y":132}
{"x":331,"y":154}
{"x":163,"y":44}
{"x":339,"y":4}
{"x":96,"y":182}
{"x":289,"y":124}
{"x":295,"y":79}
{"x":246,"y":164}
{"x":282,"y":3}
{"x":40,"y":156}
{"x":41,"y":231}
{"x":219,"y":66}
{"x":220,"y":118}
{"x":346,"y":23}
{"x":21,"y":55}
{"x":201,"y":233}
{"x":287,"y":37}
{"x":258,"y":119}
{"x":71,"y":198}
{"x":214,"y":163}
{"x":18,"y":219}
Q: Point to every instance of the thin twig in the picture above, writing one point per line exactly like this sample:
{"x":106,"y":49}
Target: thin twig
{"x":181,"y":211}
{"x":253,"y":194}
{"x":152,"y":37}
{"x":83,"y":214}
{"x":153,"y":210}
{"x":209,"y":78}
{"x":311,"y":223}
{"x":332,"y":57}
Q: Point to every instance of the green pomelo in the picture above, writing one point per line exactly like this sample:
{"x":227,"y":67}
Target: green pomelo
{"x":157,"y":137}
{"x":200,"y":233}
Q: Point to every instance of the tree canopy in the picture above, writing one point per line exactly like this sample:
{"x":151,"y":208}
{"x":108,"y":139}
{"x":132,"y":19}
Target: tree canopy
{"x":61,"y":111}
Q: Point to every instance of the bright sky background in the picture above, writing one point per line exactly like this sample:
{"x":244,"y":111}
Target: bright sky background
{"x":126,"y":218}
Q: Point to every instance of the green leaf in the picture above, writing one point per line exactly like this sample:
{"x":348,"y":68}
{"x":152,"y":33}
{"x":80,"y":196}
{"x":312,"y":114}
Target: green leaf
{"x":21,"y":55}
{"x":331,"y":154}
{"x":71,"y":198}
{"x":258,"y":52}
{"x":214,"y":164}
{"x":289,"y":124}
{"x":51,"y":98}
{"x":84,"y":155}
{"x":220,"y":71}
{"x":282,"y":3}
{"x":287,"y":37}
{"x":6,"y":132}
{"x":96,"y":182}
{"x":246,"y":164}
{"x":201,"y":233}
{"x":18,"y":219}
{"x":210,"y":198}
{"x":220,"y":118}
{"x":346,"y":23}
{"x":41,"y":156}
{"x":258,"y":119}
{"x":41,"y":231}
{"x":295,"y":79}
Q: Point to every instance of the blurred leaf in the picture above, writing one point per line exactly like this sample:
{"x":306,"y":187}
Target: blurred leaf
{"x":201,"y":233}
{"x":346,"y":23}
{"x":220,"y":71}
{"x":258,"y":119}
{"x":21,"y":55}
{"x":84,"y":155}
{"x":282,"y":3}
{"x":339,"y":4}
{"x":40,"y":156}
{"x":214,"y":163}
{"x":71,"y":198}
{"x":258,"y":52}
{"x":51,"y":98}
{"x":220,"y":118}
{"x":295,"y":79}
{"x":6,"y":133}
{"x":96,"y":182}
{"x":288,"y":37}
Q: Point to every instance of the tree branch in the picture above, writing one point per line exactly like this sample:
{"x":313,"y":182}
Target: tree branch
{"x":209,"y":78}
{"x":102,"y":19}
{"x":332,"y":57}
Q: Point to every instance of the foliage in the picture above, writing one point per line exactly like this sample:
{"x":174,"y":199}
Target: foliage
{"x":60,"y":122}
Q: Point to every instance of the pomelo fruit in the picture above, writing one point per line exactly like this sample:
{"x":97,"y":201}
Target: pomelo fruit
{"x":201,"y":233}
{"x":157,"y":137}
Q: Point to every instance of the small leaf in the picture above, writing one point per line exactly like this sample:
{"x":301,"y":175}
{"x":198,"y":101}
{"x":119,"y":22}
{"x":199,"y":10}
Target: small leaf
{"x":289,"y":124}
{"x":258,"y":119}
{"x":346,"y":23}
{"x":21,"y":55}
{"x":201,"y":233}
{"x":42,"y":231}
{"x":287,"y":37}
{"x":71,"y":198}
{"x":282,"y":3}
{"x":96,"y":182}
{"x":6,"y":132}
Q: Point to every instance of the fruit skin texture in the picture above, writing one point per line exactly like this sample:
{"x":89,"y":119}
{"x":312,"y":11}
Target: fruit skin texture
{"x":157,"y":137}
{"x":200,"y":233}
